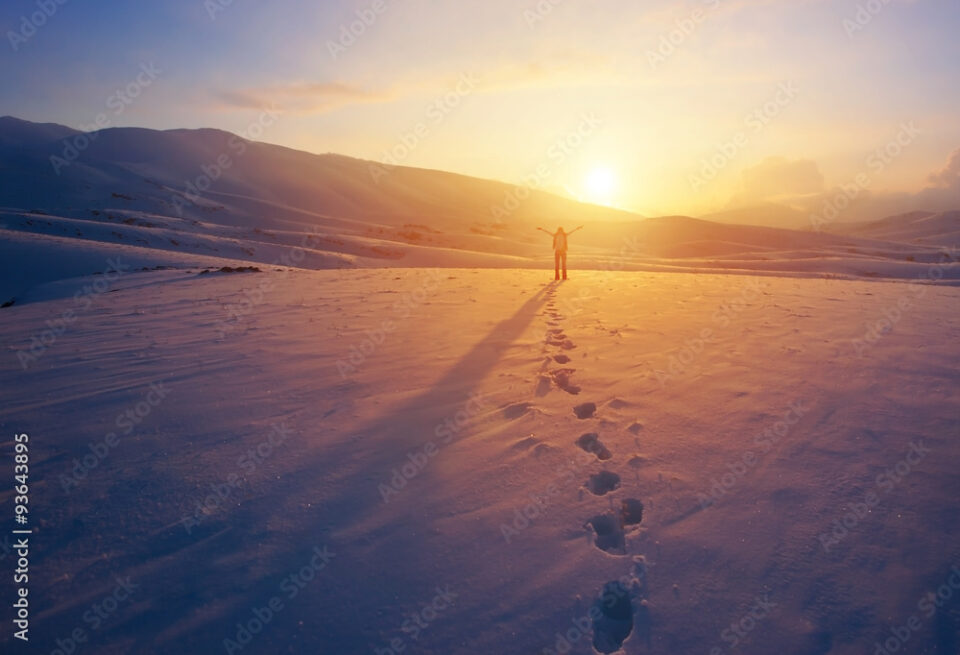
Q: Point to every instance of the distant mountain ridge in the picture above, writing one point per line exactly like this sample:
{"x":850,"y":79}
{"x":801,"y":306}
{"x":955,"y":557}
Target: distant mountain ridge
{"x":18,"y":132}
{"x":935,"y":228}
{"x":198,"y":172}
{"x":179,"y":197}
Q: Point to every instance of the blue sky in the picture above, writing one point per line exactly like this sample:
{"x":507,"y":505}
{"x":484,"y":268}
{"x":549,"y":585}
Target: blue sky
{"x":535,"y":73}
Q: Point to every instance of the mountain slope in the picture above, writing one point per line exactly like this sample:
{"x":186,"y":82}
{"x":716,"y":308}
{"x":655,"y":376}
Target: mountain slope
{"x":936,"y":228}
{"x":767,"y":213}
{"x":15,"y":132}
{"x":209,"y":195}
{"x":218,"y":176}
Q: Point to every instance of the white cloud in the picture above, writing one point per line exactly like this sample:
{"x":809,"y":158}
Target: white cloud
{"x":777,"y":177}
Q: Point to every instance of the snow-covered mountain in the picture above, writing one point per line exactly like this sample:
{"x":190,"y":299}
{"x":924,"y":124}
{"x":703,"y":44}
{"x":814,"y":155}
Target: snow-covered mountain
{"x":177,"y":198}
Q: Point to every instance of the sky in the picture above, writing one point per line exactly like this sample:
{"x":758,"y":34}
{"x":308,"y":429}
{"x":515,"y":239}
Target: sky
{"x":656,"y":107}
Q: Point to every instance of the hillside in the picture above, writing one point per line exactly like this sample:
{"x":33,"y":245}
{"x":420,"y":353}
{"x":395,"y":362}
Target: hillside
{"x":920,"y":227}
{"x":194,"y":197}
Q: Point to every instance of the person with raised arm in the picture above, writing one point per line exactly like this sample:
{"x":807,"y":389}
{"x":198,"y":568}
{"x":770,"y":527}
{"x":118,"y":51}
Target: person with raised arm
{"x":560,"y":250}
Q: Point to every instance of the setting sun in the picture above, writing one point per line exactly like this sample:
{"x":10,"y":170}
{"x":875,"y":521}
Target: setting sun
{"x":600,"y":185}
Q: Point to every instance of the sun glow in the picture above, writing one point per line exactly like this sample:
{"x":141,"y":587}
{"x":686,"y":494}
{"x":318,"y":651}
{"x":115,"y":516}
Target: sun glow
{"x":600,"y":186}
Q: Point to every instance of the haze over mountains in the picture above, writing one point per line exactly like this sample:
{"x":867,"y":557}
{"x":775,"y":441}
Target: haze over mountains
{"x":196,"y":197}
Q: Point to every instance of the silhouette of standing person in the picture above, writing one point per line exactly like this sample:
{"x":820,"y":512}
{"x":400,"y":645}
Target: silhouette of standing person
{"x":560,"y":250}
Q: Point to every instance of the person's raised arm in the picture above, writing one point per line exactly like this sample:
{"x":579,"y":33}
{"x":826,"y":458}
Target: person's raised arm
{"x":542,"y":230}
{"x":579,"y":227}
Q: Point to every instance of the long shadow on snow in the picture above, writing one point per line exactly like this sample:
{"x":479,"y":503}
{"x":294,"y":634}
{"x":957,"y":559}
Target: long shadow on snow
{"x":370,"y":586}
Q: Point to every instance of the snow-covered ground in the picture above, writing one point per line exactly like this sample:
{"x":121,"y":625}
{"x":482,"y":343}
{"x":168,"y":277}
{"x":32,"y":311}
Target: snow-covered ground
{"x":395,"y":461}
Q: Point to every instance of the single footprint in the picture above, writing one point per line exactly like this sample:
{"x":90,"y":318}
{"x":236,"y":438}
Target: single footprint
{"x":615,"y":622}
{"x":631,"y":511}
{"x":516,"y":410}
{"x":590,"y":442}
{"x":561,"y":377}
{"x":584,"y":410}
{"x":561,"y":359}
{"x":542,"y":449}
{"x":608,"y":533}
{"x":603,"y":483}
{"x":567,"y":345}
{"x":544,"y":385}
